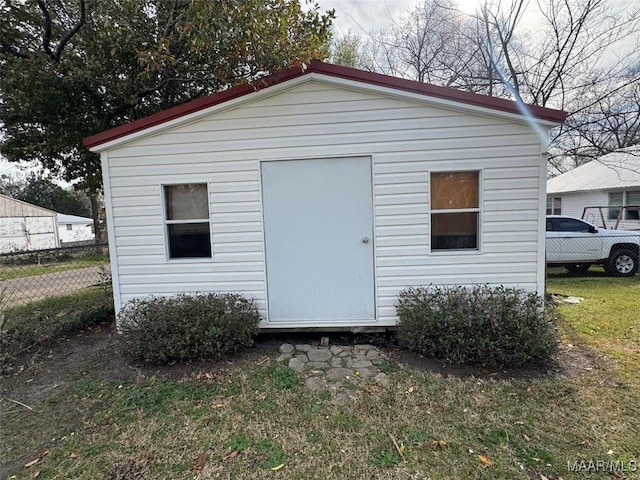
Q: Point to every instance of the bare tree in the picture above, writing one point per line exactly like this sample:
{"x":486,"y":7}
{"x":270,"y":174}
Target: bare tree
{"x":579,"y":55}
{"x":424,"y":45}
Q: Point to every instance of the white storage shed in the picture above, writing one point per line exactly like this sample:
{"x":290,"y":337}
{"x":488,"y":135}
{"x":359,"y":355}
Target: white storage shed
{"x":26,"y":227}
{"x":322,"y":191}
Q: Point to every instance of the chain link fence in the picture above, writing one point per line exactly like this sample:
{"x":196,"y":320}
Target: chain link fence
{"x":26,"y":277}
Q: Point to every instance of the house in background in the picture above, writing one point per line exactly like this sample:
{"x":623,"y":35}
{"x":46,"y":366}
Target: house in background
{"x":322,"y":191}
{"x":25,"y":227}
{"x":610,"y":182}
{"x":72,"y":228}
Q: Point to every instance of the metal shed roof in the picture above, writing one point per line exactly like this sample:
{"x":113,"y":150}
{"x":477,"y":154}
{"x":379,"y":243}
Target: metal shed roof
{"x":73,"y":219}
{"x":11,"y":207}
{"x":613,"y":171}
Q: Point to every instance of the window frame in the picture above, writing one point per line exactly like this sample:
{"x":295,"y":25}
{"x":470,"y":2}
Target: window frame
{"x":478,"y":210}
{"x":166,"y":222}
{"x":554,"y":205}
{"x":624,"y":203}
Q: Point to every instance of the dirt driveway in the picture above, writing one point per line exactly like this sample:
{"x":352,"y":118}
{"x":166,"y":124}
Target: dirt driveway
{"x":28,"y":289}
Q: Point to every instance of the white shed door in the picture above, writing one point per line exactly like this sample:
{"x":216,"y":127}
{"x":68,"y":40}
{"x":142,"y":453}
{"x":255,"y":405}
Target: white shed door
{"x":319,"y":240}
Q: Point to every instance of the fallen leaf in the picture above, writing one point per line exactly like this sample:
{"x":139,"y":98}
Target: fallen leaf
{"x":542,"y":477}
{"x":440,"y":408}
{"x":471,"y":451}
{"x":439,"y":444}
{"x":526,"y":438}
{"x":610,"y":452}
{"x":216,"y":406}
{"x":399,"y":447}
{"x":278,"y":467}
{"x":231,"y":455}
{"x":410,"y":390}
{"x":44,"y":454}
{"x":200,"y":462}
{"x":586,"y":443}
{"x":31,"y":463}
{"x":486,"y":460}
{"x":36,"y":474}
{"x":73,"y":455}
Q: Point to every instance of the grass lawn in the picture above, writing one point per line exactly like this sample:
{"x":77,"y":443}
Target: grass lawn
{"x":257,"y":419}
{"x":27,"y":326}
{"x":608,"y":318}
{"x":10,"y":272}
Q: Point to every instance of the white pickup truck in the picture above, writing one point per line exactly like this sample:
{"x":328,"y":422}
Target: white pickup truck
{"x":577,"y":245}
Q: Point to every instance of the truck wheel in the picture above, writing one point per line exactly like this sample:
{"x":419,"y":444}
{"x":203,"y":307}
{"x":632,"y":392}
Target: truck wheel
{"x":577,"y":268}
{"x":622,"y":263}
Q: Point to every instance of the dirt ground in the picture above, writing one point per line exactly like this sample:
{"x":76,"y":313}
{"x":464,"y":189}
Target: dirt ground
{"x":36,"y":377}
{"x":41,"y":377}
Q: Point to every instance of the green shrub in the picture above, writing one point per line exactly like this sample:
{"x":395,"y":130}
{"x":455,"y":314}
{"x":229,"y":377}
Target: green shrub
{"x":28,"y":326}
{"x":187,"y":327}
{"x":495,"y":326}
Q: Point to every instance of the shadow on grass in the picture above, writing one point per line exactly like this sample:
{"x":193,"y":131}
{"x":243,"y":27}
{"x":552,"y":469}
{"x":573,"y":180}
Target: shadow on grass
{"x":561,"y":272}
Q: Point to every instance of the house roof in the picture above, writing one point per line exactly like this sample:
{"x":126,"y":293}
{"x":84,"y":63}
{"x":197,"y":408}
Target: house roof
{"x":12,"y":207}
{"x":609,"y":172}
{"x":428,"y":90}
{"x":74,"y":219}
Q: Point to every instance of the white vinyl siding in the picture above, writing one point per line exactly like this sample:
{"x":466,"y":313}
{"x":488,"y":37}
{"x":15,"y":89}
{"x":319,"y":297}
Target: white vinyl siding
{"x":407,"y":139}
{"x":574,"y":203}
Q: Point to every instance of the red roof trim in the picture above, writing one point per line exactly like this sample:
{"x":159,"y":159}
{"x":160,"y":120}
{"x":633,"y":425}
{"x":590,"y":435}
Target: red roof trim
{"x":330,"y":70}
{"x":445,"y":93}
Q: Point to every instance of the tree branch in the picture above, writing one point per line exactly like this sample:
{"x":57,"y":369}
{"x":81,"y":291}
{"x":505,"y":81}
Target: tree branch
{"x":46,"y":33}
{"x":69,"y":35}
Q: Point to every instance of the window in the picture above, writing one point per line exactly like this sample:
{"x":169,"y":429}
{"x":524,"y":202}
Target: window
{"x":569,"y":225}
{"x":187,"y":220}
{"x":549,"y":225}
{"x":629,"y":199}
{"x":455,"y":210}
{"x":69,"y":226}
{"x":554,"y":205}
{"x":633,"y":204}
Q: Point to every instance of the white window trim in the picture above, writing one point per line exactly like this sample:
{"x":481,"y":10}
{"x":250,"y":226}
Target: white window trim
{"x":478,"y":210}
{"x":625,"y":203}
{"x":166,"y":222}
{"x":555,"y":202}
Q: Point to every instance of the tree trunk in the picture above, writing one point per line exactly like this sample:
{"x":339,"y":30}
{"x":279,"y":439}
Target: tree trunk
{"x":95,"y":214}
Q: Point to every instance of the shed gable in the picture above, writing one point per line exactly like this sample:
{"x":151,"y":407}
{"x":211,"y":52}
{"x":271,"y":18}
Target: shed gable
{"x":404,"y":138}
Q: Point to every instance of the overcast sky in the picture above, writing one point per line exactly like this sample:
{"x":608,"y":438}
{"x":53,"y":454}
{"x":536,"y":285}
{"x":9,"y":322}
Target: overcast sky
{"x":367,"y":16}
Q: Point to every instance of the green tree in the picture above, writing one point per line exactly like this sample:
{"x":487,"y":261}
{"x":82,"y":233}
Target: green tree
{"x":42,"y":191}
{"x":39,"y":189}
{"x":350,"y":51}
{"x":72,"y":68}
